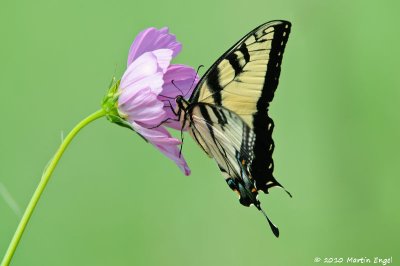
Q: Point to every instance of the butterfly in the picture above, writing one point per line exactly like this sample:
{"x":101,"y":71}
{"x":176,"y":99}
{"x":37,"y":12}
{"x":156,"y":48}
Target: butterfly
{"x":227,"y":113}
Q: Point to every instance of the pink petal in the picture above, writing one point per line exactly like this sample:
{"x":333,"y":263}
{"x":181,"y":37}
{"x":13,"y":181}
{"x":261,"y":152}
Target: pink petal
{"x":142,"y":107}
{"x":164,"y":57}
{"x":153,"y":39}
{"x":180,"y":72}
{"x":173,"y":153}
{"x":147,"y":71}
{"x":165,"y":143}
{"x":185,"y":80}
{"x":157,"y":135}
{"x":143,"y":72}
{"x":153,"y":82}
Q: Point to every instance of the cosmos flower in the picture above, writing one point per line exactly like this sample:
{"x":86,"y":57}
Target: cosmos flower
{"x":148,"y":88}
{"x":142,"y":101}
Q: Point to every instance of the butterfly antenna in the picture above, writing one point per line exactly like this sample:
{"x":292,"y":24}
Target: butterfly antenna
{"x":197,"y":73}
{"x":274,"y":229}
{"x":173,"y":82}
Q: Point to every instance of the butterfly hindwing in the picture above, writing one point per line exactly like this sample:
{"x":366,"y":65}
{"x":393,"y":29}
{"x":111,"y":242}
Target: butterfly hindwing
{"x":220,"y":133}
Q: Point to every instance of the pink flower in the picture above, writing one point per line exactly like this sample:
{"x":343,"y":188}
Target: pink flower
{"x":146,"y":92}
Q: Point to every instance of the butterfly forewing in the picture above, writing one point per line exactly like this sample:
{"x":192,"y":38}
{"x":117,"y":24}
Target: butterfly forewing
{"x":245,"y":78}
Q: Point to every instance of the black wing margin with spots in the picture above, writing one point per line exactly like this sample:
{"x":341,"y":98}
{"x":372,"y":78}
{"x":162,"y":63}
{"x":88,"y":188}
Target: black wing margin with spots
{"x":262,"y":166}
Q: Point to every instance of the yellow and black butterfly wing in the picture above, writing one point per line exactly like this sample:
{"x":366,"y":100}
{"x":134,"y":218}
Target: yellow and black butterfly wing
{"x":220,"y":133}
{"x":224,"y":136}
{"x":243,"y":81}
{"x":245,"y":78}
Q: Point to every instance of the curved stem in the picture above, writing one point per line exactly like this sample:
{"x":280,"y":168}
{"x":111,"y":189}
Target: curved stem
{"x":42,"y":184}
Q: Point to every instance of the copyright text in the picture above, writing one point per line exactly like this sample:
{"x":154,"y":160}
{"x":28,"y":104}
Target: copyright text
{"x":355,"y":260}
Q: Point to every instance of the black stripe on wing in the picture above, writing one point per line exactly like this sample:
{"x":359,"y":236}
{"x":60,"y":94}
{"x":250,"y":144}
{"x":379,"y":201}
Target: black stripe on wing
{"x":215,"y":86}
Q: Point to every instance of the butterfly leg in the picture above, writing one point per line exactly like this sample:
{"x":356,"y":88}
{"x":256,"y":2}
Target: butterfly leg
{"x":172,"y":109}
{"x":162,"y":122}
{"x":183,"y":127}
{"x":177,"y":114}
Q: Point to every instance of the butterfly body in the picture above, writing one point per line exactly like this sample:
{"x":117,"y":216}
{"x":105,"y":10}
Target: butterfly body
{"x":227,"y":114}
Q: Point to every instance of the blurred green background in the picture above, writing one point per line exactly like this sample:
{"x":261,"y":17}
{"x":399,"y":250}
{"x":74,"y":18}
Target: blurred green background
{"x":115,"y":200}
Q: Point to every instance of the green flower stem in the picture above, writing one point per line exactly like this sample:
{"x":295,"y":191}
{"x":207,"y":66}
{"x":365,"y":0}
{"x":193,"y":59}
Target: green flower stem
{"x":42,"y":184}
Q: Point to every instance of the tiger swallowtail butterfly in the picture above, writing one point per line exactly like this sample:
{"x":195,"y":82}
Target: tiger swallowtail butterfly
{"x":227,"y":113}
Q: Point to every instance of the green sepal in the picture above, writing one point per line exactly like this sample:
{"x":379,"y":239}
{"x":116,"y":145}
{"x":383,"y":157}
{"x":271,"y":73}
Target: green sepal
{"x":110,"y":101}
{"x":123,"y":123}
{"x":110,"y":106}
{"x":119,"y":121}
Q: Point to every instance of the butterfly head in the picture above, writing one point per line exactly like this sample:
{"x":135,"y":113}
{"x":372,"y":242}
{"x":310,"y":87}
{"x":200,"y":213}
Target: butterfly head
{"x":181,"y":102}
